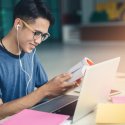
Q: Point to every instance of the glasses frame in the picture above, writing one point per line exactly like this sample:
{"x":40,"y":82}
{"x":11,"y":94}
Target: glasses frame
{"x":42,"y":35}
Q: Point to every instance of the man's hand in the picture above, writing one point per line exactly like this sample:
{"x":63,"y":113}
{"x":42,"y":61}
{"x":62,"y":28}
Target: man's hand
{"x":59,"y":85}
{"x":54,"y":87}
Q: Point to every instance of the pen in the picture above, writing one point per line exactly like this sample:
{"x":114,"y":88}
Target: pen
{"x":115,"y":93}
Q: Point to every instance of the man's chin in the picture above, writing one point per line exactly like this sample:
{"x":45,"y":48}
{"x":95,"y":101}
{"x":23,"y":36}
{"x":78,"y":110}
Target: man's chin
{"x":28,"y":51}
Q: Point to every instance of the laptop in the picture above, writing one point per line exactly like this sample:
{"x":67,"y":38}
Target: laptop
{"x":96,"y":86}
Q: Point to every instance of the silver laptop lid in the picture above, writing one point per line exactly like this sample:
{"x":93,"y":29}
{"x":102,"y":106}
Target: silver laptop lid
{"x":96,"y":86}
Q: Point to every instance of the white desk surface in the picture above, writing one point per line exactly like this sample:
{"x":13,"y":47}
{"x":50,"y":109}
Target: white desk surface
{"x":90,"y":118}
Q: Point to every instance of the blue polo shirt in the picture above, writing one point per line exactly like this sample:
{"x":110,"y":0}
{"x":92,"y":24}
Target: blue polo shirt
{"x":13,"y":80}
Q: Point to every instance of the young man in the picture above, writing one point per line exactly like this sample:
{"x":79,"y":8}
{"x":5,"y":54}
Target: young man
{"x":20,"y":69}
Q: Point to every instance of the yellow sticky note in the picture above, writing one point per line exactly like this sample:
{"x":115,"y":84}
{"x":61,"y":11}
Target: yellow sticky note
{"x":110,"y":113}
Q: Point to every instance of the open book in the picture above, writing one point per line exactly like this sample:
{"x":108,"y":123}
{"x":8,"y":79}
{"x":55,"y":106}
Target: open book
{"x":79,"y":69}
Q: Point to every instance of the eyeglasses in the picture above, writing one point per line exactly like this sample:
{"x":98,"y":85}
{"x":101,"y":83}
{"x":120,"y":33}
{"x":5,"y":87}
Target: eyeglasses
{"x":37,"y":34}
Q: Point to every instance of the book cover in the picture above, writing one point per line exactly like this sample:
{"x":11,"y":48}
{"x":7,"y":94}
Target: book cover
{"x":32,"y":117}
{"x":110,"y":114}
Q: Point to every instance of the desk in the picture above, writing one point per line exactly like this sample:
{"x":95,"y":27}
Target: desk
{"x":90,"y":118}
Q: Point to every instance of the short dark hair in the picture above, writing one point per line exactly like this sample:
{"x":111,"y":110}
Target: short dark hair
{"x":29,"y":10}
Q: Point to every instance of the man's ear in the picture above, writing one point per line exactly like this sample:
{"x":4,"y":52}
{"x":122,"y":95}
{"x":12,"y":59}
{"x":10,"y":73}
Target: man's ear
{"x":17,"y":23}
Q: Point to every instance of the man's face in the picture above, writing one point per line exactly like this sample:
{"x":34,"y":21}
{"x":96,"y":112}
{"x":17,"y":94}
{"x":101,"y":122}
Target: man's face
{"x":26,"y":38}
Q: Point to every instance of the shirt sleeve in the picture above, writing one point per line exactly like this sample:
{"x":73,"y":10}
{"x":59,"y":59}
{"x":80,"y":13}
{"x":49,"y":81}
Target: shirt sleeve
{"x":0,"y":94}
{"x":0,"y":83}
{"x":0,"y":90}
{"x":40,"y":75}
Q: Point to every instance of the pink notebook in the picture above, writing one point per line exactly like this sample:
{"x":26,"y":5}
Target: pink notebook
{"x":32,"y":117}
{"x":118,"y":99}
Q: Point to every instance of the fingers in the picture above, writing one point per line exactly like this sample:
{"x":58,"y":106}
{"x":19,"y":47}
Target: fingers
{"x":79,"y":80}
{"x":71,"y":85}
{"x":61,"y":81}
{"x":65,"y":76}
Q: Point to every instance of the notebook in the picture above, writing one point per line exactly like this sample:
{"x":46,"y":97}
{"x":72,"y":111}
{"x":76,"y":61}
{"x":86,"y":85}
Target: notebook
{"x":118,"y":99}
{"x":110,"y":114}
{"x":32,"y":117}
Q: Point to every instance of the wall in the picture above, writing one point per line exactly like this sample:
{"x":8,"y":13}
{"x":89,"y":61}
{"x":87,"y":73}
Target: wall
{"x":6,"y":13}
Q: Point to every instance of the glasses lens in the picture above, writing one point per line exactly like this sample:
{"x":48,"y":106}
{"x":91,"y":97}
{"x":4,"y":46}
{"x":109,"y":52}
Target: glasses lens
{"x":37,"y":35}
{"x":45,"y":36}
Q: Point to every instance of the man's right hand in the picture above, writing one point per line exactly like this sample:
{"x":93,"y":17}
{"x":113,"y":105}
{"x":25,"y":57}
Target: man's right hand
{"x":59,"y":85}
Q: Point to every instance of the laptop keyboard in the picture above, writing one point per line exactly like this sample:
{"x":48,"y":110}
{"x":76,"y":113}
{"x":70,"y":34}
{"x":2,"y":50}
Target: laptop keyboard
{"x":56,"y":103}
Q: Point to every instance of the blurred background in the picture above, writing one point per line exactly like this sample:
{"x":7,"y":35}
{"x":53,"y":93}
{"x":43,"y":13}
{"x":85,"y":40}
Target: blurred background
{"x":83,"y":28}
